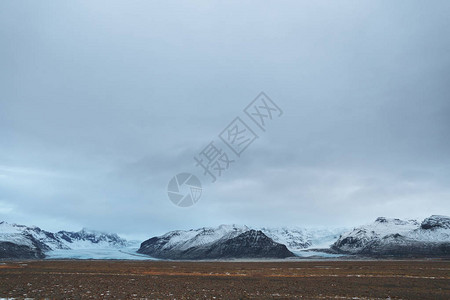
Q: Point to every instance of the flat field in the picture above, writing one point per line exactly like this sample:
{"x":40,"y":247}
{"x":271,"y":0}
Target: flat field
{"x":74,"y":279}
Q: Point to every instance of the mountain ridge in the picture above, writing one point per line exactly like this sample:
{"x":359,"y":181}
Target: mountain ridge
{"x":395,"y":237}
{"x":20,"y":241}
{"x":384,"y":237}
{"x":248,"y":244}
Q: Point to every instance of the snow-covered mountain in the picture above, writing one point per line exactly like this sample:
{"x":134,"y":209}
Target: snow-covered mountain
{"x":294,"y":238}
{"x":90,"y":238}
{"x":395,"y":237}
{"x":20,"y":241}
{"x":181,"y":243}
{"x":17,"y":241}
{"x":181,"y":240}
{"x":225,"y":241}
{"x":384,"y":237}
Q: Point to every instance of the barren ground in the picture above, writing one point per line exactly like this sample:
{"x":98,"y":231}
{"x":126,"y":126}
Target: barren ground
{"x":324,"y":279}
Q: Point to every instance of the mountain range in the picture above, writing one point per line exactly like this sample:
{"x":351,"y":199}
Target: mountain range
{"x":395,"y":237}
{"x":20,"y":241}
{"x":386,"y":237}
{"x":383,"y":238}
{"x":205,"y":242}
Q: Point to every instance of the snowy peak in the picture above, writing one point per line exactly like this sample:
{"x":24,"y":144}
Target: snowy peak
{"x":224,"y":240}
{"x":23,"y":235}
{"x":185,"y":239}
{"x":398,"y":237}
{"x":214,"y":243}
{"x":20,"y":241}
{"x":294,"y":238}
{"x":250,"y":244}
{"x":392,"y":221}
{"x":88,"y":238}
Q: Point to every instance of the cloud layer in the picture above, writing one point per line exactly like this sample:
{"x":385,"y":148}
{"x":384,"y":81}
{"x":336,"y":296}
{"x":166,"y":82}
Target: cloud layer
{"x":101,"y":103}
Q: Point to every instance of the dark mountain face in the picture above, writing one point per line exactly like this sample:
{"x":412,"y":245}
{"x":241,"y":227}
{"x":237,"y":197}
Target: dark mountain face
{"x":9,"y":250}
{"x":250,"y":244}
{"x":436,"y":222}
{"x":33,"y":249}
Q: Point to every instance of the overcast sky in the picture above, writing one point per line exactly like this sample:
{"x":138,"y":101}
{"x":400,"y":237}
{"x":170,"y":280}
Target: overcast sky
{"x":102,"y":102}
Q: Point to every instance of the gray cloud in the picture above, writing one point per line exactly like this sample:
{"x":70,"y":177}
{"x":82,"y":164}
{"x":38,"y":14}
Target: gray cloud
{"x":102,"y":103}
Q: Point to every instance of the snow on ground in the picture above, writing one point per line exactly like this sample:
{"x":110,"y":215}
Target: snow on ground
{"x":128,"y":253}
{"x":296,"y":238}
{"x":316,"y":254}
